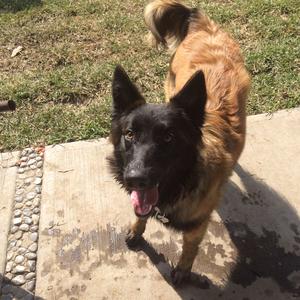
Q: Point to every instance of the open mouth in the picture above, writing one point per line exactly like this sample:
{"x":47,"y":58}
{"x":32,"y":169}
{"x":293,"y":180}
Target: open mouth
{"x":144,"y":200}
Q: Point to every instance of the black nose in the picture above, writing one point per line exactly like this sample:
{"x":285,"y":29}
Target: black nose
{"x":137,"y":179}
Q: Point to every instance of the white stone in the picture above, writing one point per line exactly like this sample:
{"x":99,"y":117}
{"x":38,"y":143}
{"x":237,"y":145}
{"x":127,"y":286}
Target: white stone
{"x":27,"y":212}
{"x":14,"y":229}
{"x":34,"y":228}
{"x":18,"y":199}
{"x":30,"y":276}
{"x":39,"y":164}
{"x":18,"y":280}
{"x":19,"y":269}
{"x":38,"y":158}
{"x":20,"y":191}
{"x":21,"y":170}
{"x":28,"y":203}
{"x":18,"y":205}
{"x":30,"y":255}
{"x":22,"y":250}
{"x":9,"y":255}
{"x":31,"y":162}
{"x":32,"y":155}
{"x":32,"y":265}
{"x":19,"y":259}
{"x":39,"y":173}
{"x":17,"y":221}
{"x":23,"y":164}
{"x":24,"y":227}
{"x":36,"y":210}
{"x":9,"y":266}
{"x":34,"y":236}
{"x":28,"y":181}
{"x":27,"y":220}
{"x":38,"y":180}
{"x":31,"y":195}
{"x":18,"y":235}
{"x":38,"y":189}
{"x":33,"y":247}
{"x":35,"y":219}
{"x":23,"y":158}
{"x":17,"y":213}
{"x":30,"y":287}
{"x":33,"y":167}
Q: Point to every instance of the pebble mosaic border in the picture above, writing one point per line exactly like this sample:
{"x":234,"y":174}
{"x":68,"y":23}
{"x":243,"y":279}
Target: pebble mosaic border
{"x":20,"y":272}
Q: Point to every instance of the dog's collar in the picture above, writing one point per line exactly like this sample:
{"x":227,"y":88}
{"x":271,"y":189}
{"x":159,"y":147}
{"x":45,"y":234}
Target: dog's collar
{"x":160,"y":216}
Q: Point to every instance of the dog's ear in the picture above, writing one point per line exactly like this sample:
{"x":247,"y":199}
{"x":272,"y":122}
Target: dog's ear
{"x":192,"y":98}
{"x":125,"y":94}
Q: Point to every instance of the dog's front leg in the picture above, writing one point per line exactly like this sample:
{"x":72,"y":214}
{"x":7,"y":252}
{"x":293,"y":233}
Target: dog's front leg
{"x":135,"y":232}
{"x":191,"y":241}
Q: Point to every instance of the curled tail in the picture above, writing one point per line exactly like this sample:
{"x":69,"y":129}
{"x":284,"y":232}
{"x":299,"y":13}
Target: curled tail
{"x":169,"y":22}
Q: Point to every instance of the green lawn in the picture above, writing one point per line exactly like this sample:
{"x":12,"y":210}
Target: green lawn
{"x":61,"y":79}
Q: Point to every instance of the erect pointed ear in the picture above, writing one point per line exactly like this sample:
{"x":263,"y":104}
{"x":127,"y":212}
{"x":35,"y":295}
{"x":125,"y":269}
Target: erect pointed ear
{"x":125,"y":94}
{"x":192,"y":98}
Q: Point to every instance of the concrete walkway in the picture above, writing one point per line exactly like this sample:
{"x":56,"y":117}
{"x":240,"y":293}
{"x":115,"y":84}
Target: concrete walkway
{"x":251,"y":250}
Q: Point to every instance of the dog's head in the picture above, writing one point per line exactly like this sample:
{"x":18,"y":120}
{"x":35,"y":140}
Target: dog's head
{"x":155,"y":145}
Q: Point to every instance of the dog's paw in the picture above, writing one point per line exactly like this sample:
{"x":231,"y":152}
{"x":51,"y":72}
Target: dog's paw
{"x":133,"y":240}
{"x":180,"y":276}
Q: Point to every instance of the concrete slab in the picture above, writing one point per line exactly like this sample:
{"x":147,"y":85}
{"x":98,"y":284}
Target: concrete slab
{"x":251,"y":250}
{"x":8,"y":174}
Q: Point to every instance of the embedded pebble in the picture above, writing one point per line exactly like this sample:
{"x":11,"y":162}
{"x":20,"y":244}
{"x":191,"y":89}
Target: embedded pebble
{"x":30,"y":276}
{"x":22,"y":250}
{"x":23,"y":164}
{"x":38,"y":189}
{"x":20,"y":192}
{"x":17,"y":213}
{"x":38,"y":158}
{"x":19,"y":269}
{"x":32,"y":155}
{"x":30,"y":195}
{"x":30,"y":255}
{"x":33,"y":247}
{"x":38,"y":180}
{"x":18,"y":280}
{"x":21,"y":170}
{"x":34,"y":228}
{"x":30,"y":287}
{"x":19,"y":199}
{"x":39,"y":173}
{"x":33,"y":167}
{"x":24,"y":227}
{"x":14,"y":229}
{"x":9,"y":255}
{"x":28,"y":221}
{"x":18,"y":235}
{"x":34,"y":236}
{"x":35,"y":219}
{"x":36,"y":210}
{"x":18,"y":205}
{"x":17,"y":221}
{"x":36,"y":202}
{"x":32,"y":265}
{"x":27,"y":212}
{"x":31,"y":162}
{"x":28,"y":203}
{"x":23,"y":158}
{"x":28,"y":181}
{"x":9,"y":266}
{"x":39,"y":164}
{"x":19,"y":259}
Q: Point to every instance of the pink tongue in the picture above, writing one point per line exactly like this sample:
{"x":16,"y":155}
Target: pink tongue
{"x":143,"y":201}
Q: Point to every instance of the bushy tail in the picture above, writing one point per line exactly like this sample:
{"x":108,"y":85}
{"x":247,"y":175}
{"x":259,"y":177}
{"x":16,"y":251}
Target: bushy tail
{"x":168,"y":21}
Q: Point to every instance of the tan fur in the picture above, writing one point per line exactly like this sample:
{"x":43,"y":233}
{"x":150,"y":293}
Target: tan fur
{"x":204,"y":47}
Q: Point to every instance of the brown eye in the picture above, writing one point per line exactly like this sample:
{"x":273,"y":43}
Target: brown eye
{"x":129,"y":135}
{"x":168,"y":137}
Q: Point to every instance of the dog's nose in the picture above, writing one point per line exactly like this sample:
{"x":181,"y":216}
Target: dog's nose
{"x":136,"y":179}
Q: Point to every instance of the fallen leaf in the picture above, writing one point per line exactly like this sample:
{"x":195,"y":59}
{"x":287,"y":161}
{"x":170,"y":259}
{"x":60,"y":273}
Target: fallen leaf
{"x":16,"y":51}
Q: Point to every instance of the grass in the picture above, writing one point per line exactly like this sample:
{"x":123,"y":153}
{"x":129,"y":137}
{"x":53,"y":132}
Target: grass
{"x":61,"y":79}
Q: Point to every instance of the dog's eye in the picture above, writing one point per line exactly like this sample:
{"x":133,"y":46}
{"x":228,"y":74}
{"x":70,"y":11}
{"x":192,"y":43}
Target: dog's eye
{"x":168,"y":137}
{"x":129,"y":135}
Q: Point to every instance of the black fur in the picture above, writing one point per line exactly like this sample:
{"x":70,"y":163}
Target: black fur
{"x":159,"y":142}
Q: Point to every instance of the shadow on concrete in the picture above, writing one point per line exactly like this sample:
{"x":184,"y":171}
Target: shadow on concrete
{"x":264,"y":229}
{"x":17,"y":5}
{"x":11,"y":291}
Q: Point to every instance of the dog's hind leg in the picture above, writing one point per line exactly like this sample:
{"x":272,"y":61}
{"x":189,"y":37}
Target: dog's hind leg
{"x":135,"y":232}
{"x":191,"y":241}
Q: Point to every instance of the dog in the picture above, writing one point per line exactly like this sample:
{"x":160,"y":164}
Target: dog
{"x":174,"y":158}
